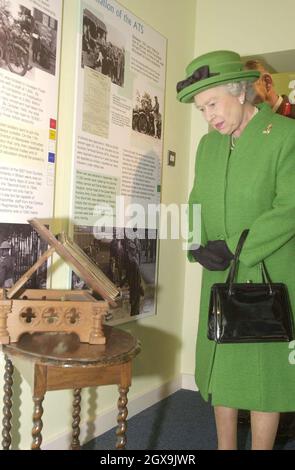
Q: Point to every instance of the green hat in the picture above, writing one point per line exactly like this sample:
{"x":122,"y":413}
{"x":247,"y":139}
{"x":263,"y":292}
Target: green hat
{"x":210,"y":70}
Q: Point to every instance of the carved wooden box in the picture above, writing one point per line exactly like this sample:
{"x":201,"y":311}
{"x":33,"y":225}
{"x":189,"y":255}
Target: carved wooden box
{"x":71,"y":311}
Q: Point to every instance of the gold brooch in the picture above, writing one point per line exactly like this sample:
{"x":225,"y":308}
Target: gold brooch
{"x":267,"y":130}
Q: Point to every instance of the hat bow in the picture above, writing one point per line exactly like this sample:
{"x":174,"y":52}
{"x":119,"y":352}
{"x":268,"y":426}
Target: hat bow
{"x":200,"y":74}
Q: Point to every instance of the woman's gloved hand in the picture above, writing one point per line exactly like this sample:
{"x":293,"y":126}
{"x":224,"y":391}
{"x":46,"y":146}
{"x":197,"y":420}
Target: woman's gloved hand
{"x":210,"y":260}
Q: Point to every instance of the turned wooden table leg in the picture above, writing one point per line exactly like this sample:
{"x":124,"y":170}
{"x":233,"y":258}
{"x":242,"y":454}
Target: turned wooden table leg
{"x":37,"y":423}
{"x":76,"y":419}
{"x":122,"y":418}
{"x":8,"y":381}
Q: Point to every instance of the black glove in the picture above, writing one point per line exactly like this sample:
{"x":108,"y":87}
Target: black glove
{"x":220,"y":248}
{"x":209,"y":260}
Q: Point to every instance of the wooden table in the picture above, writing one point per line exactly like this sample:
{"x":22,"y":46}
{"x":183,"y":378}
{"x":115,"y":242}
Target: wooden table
{"x":58,"y":361}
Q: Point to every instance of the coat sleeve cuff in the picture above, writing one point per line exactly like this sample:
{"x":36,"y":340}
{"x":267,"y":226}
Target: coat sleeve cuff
{"x":232,"y":242}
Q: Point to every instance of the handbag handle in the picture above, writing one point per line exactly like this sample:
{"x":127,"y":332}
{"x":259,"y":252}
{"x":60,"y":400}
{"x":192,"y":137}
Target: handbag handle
{"x":234,"y":267}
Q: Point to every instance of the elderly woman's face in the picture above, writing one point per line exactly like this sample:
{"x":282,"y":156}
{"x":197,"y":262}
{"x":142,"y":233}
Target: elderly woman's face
{"x":223,"y":111}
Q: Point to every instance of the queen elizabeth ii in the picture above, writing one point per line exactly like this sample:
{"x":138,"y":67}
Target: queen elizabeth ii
{"x":244,"y":179}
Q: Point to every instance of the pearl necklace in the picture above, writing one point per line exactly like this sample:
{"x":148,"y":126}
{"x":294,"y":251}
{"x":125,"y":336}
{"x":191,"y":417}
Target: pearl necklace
{"x":234,"y":139}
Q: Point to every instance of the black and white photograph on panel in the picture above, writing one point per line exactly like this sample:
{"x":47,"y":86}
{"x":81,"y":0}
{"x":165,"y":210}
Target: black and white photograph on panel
{"x":103,"y":48}
{"x":128,"y":259}
{"x":27,"y":39}
{"x":146,"y":115}
{"x":20,"y":248}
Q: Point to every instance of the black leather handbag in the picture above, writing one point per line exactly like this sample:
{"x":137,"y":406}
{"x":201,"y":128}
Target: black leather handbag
{"x":249,"y":312}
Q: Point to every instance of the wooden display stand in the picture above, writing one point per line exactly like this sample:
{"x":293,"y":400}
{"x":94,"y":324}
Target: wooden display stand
{"x":48,"y":310}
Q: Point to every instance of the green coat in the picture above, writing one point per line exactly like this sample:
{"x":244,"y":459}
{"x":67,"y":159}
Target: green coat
{"x":251,"y":187}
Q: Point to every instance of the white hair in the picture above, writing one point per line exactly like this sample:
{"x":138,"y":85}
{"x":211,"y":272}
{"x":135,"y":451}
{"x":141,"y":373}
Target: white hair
{"x":236,"y":88}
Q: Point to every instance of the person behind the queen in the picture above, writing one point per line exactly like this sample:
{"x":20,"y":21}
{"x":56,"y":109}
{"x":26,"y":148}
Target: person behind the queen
{"x":244,"y":179}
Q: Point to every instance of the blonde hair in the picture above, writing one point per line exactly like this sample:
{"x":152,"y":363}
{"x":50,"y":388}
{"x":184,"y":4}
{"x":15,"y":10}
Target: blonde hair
{"x":255,"y":65}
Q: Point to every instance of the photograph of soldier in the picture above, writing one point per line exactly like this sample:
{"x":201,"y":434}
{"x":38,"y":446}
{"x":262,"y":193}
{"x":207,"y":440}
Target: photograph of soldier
{"x":36,"y":43}
{"x":128,"y":258}
{"x":101,"y":50}
{"x":146,"y":116}
{"x":27,"y":39}
{"x":6,"y":265}
{"x":117,"y":260}
{"x":20,"y":248}
{"x":133,"y":275}
{"x":157,"y":118}
{"x":43,"y":41}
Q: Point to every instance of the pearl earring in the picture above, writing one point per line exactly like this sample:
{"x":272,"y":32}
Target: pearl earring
{"x":241,"y":100}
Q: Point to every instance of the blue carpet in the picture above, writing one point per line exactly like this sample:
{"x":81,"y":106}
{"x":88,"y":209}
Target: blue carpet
{"x":183,"y":421}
